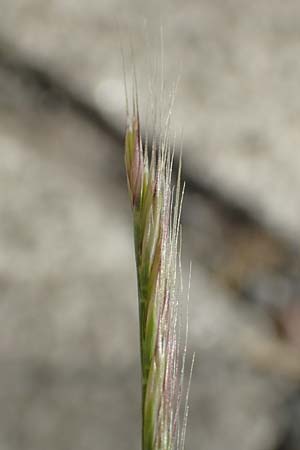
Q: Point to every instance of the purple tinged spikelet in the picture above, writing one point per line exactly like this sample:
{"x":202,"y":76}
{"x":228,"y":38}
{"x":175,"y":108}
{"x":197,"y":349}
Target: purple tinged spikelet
{"x":134,"y":160}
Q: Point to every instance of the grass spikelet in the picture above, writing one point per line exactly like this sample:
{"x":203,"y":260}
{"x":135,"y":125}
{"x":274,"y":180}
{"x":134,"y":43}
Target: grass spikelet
{"x":156,"y":207}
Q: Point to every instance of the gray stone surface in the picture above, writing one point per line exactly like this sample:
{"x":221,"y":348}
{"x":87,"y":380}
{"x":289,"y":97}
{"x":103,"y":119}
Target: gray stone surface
{"x":68,"y":322}
{"x":237,"y":102}
{"x":68,"y":315}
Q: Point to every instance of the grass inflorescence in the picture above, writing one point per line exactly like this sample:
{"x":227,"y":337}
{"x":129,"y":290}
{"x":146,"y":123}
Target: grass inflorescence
{"x":156,"y":207}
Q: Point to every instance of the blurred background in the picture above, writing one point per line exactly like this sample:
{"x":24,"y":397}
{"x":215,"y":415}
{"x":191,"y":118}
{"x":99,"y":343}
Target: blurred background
{"x":69,"y":368}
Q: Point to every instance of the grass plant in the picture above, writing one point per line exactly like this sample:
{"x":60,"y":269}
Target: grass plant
{"x":156,"y":204}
